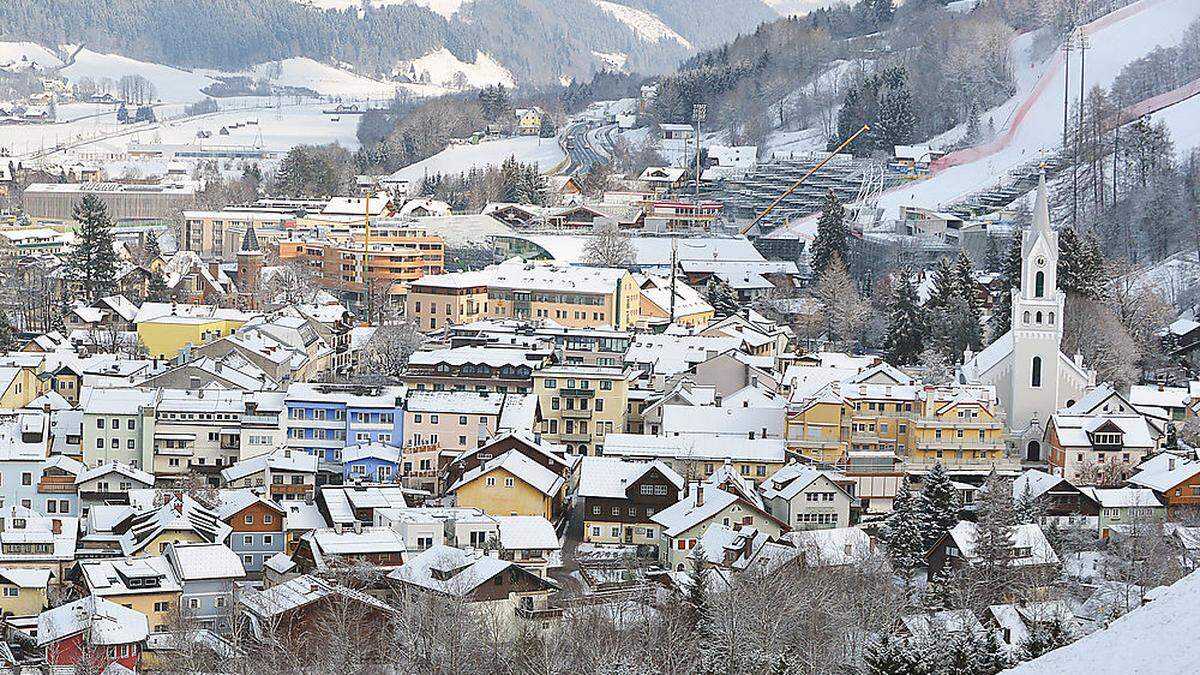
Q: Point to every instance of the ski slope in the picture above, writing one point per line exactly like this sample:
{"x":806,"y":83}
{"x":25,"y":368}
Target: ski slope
{"x":460,"y":158}
{"x":1036,"y":119}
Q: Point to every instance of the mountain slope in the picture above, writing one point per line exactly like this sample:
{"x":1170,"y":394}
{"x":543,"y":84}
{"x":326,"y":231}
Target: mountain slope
{"x":537,"y":41}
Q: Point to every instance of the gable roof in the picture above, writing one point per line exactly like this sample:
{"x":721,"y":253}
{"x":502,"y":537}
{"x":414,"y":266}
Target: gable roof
{"x":106,"y":622}
{"x":1023,"y":536}
{"x":530,"y":472}
{"x":609,"y":477}
{"x":452,"y":571}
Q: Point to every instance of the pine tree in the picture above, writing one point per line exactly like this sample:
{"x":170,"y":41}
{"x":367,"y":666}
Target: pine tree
{"x":945,"y":285}
{"x":906,"y":332}
{"x":939,"y":504}
{"x":721,"y":296}
{"x":993,"y":539}
{"x":904,"y":533}
{"x":897,"y":122}
{"x":152,"y":251}
{"x":1045,"y":637}
{"x":1029,"y":508}
{"x":1010,"y":280}
{"x":893,"y":656}
{"x":156,"y":289}
{"x":93,"y":263}
{"x":993,"y":657}
{"x":832,"y":237}
{"x":964,"y":273}
{"x":8,"y":341}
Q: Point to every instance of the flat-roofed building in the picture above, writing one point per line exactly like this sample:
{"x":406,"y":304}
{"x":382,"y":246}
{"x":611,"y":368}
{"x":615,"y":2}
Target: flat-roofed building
{"x":56,"y":201}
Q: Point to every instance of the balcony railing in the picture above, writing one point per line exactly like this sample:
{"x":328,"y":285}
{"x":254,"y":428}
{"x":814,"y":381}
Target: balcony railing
{"x":538,"y":614}
{"x":577,"y":414}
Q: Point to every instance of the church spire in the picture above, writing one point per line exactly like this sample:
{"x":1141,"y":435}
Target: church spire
{"x":1041,"y":210}
{"x":250,"y":240}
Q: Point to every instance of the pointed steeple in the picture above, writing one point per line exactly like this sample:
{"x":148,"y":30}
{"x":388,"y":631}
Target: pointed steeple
{"x":250,"y":241}
{"x":1041,"y":210}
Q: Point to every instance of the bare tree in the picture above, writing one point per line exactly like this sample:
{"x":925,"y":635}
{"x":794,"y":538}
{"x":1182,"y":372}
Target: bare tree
{"x":386,"y":354}
{"x":609,"y":247}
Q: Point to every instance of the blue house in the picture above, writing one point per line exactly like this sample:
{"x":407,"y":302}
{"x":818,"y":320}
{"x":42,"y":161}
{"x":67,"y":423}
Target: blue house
{"x":207,"y":574}
{"x":371,"y":462}
{"x":322,"y":419}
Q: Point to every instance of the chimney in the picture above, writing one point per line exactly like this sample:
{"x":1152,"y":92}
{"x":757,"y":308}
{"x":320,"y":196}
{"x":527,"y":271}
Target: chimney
{"x":700,"y":495}
{"x":1160,"y":386}
{"x":357,"y":527}
{"x":214,"y":268}
{"x":313,"y":588}
{"x":338,"y":528}
{"x":1170,"y":464}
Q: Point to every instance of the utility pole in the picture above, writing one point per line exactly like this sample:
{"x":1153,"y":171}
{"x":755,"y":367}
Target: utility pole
{"x":1083,"y":47}
{"x":674,"y":249}
{"x":367,"y":251}
{"x":1067,"y":47}
{"x":699,"y":111}
{"x":1116,"y":154}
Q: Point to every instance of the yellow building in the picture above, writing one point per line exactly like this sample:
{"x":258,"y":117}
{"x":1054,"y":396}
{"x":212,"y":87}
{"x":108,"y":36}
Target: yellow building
{"x":511,"y":485}
{"x":579,"y":405}
{"x":884,"y":410}
{"x":23,"y":591}
{"x":529,"y":121}
{"x":690,"y":308}
{"x":165,"y":328}
{"x":571,"y":296}
{"x":19,"y":383}
{"x":147,"y":585}
{"x":699,"y":456}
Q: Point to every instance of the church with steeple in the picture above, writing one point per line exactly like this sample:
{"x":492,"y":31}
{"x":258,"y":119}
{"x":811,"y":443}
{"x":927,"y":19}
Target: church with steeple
{"x":1032,"y":377}
{"x":249,"y":268}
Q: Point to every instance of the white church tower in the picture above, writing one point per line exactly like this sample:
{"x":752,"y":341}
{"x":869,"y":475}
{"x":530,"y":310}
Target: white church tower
{"x":1037,"y":312}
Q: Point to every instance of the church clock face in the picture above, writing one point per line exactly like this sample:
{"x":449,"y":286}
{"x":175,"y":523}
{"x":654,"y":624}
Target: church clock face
{"x":1041,"y":262}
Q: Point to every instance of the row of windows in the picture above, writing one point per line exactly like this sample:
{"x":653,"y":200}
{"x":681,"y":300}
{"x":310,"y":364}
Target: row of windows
{"x":552,"y":383}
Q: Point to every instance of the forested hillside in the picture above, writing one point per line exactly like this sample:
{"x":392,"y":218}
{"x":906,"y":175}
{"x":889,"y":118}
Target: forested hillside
{"x":540,"y":41}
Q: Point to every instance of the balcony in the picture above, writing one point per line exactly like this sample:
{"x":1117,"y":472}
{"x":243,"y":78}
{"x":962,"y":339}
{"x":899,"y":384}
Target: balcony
{"x":577,"y":414}
{"x":578,"y":393}
{"x":963,"y":464}
{"x":576,"y":437}
{"x":542,"y":614}
{"x":56,"y":484}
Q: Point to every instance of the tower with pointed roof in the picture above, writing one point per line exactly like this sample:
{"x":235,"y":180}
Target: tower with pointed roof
{"x":249,"y":267}
{"x":1037,"y":310}
{"x":1033,"y":378}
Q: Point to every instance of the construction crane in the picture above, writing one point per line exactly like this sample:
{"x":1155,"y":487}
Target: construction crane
{"x":790,"y":190}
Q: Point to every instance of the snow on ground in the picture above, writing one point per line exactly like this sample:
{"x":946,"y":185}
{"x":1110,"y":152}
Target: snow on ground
{"x":1173,"y":277}
{"x":442,"y":67}
{"x":20,"y":55}
{"x":460,"y":158}
{"x":171,"y":84}
{"x":612,"y":60}
{"x":1037,"y":123}
{"x":1155,"y":638}
{"x":647,"y":26}
{"x":327,"y":80}
{"x":785,"y":144}
{"x":1183,"y":119}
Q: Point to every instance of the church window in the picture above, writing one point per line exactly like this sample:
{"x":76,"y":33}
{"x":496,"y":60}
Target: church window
{"x":1051,"y":318}
{"x":1039,"y":285}
{"x":1039,"y":317}
{"x":1036,"y":377}
{"x":1026,"y":317}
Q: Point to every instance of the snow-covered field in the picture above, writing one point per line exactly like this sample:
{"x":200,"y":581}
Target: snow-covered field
{"x":790,"y":7}
{"x":1037,"y":119}
{"x":647,"y":26}
{"x":442,"y":68}
{"x":327,"y":80}
{"x":460,"y":158}
{"x":20,"y":55}
{"x":172,"y":84}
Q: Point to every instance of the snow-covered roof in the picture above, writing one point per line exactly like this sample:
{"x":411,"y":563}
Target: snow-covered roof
{"x":496,"y":357}
{"x":1156,"y":396}
{"x":25,"y":577}
{"x":527,"y":533}
{"x":691,"y":420}
{"x":1074,"y":431}
{"x":350,"y":542}
{"x":199,"y":561}
{"x":833,"y":546}
{"x":455,"y":402}
{"x":738,"y":448}
{"x":112,"y":577}
{"x":280,"y":460}
{"x":686,"y":513}
{"x":230,"y":502}
{"x":1024,"y":536}
{"x":106,"y":623}
{"x":537,"y":476}
{"x":608,"y":477}
{"x":1035,"y":481}
{"x":1148,"y":639}
{"x":1121,"y":498}
{"x":299,"y":592}
{"x":381,"y":451}
{"x":115,"y":467}
{"x":790,"y":480}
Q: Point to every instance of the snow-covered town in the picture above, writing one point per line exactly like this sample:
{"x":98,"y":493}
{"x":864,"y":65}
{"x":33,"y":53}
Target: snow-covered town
{"x":830,"y":337}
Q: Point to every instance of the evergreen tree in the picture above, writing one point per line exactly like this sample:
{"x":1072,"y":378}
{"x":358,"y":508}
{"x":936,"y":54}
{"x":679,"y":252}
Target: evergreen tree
{"x":1045,"y":637}
{"x":906,"y":330}
{"x":993,"y":539}
{"x":721,"y":296}
{"x":1029,"y":508}
{"x":8,"y":340}
{"x":945,"y":285}
{"x":897,"y":122}
{"x":939,"y":504}
{"x":156,"y":289}
{"x":992,"y":657}
{"x":964,"y":273}
{"x":893,"y":656}
{"x":904,"y":533}
{"x":1010,"y":280}
{"x":955,"y":329}
{"x":93,"y":263}
{"x":832,"y":236}
{"x":152,"y":251}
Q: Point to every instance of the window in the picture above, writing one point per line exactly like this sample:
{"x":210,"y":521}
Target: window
{"x":26,"y":478}
{"x":249,"y":519}
{"x":1035,"y":377}
{"x":462,"y":420}
{"x":491,"y":481}
{"x":1039,"y":285}
{"x":248,"y":539}
{"x":508,"y":482}
{"x":162,"y":606}
{"x":595,"y":532}
{"x":219,"y":601}
{"x":268,"y":540}
{"x":10,"y":592}
{"x":99,"y":422}
{"x":193,"y":603}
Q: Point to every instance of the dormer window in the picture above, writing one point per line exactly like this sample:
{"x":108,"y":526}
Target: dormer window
{"x":1106,"y":438}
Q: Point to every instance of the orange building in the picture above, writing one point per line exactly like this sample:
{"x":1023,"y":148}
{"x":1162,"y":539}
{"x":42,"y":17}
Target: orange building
{"x":397,"y":257}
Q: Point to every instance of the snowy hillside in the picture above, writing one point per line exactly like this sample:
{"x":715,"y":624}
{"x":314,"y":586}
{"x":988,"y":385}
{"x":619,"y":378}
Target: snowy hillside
{"x":442,"y":68}
{"x":790,"y":7}
{"x":460,"y":158}
{"x":647,"y":26}
{"x":446,"y":8}
{"x":171,"y":84}
{"x":329,"y":81}
{"x":1036,"y":111}
{"x":21,"y":55}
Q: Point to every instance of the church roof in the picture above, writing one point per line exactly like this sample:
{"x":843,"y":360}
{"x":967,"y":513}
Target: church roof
{"x":250,"y":240}
{"x":1041,"y":221}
